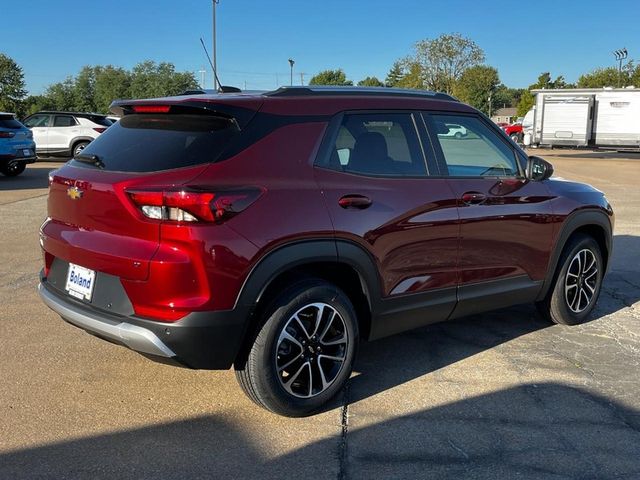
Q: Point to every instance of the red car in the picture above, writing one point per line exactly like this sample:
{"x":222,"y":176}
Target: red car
{"x":514,"y":131}
{"x":273,"y":231}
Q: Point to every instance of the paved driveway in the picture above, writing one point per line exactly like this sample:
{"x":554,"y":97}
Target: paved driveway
{"x":500,"y":395}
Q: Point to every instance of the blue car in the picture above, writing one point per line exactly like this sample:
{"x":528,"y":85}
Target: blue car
{"x":17,"y":147}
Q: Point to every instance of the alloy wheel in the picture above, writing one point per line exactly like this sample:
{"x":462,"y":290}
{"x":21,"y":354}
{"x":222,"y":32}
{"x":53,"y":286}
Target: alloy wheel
{"x":581,"y":280}
{"x":311,"y":350}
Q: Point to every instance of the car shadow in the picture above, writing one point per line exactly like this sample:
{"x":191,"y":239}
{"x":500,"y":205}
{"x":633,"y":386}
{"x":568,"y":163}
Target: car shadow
{"x":622,"y":283}
{"x":389,"y":362}
{"x":33,"y":177}
{"x":530,"y":431}
{"x":386,"y":363}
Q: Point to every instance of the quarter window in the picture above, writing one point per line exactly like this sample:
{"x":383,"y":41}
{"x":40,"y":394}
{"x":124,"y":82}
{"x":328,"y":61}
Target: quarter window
{"x":377,"y":144}
{"x":472,"y":149}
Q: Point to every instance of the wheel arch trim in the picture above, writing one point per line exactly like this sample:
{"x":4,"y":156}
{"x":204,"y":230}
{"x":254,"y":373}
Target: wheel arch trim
{"x":304,"y":252}
{"x":576,"y":220}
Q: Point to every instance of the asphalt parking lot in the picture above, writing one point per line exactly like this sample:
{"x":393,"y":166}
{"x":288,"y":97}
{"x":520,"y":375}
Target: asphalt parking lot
{"x":500,"y":395}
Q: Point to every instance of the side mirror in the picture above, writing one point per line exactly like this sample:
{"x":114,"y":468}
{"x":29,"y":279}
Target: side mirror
{"x":538,"y":169}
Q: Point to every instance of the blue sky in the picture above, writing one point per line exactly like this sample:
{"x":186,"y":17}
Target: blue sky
{"x":54,"y":39}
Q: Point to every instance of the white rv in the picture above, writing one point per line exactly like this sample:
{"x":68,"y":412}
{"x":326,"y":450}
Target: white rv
{"x":585,"y":117}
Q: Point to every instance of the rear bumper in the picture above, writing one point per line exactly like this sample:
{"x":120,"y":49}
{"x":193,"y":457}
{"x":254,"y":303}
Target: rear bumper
{"x":201,"y":340}
{"x":136,"y":338}
{"x":6,"y":158}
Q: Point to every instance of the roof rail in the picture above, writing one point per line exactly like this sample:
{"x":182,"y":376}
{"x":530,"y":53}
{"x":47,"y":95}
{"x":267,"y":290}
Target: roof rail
{"x":357,"y":91}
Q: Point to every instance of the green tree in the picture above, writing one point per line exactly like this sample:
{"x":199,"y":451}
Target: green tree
{"x":544,"y":81}
{"x":443,"y":60}
{"x":151,"y":79}
{"x":36,"y":103}
{"x":370,"y":82}
{"x":475,"y":86}
{"x":395,"y":74}
{"x":12,"y":86}
{"x":111,"y":83}
{"x":506,"y":97}
{"x":62,"y":95}
{"x":84,"y":90}
{"x":526,"y":102}
{"x":604,"y":77}
{"x":412,"y":77}
{"x":330,"y":77}
{"x":634,"y":76}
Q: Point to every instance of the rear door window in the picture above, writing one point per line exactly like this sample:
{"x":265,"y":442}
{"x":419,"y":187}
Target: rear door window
{"x":154,"y":142}
{"x":377,"y":144}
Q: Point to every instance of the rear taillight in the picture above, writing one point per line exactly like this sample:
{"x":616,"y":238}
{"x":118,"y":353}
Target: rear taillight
{"x":7,"y":134}
{"x":100,"y":129}
{"x":191,"y":204}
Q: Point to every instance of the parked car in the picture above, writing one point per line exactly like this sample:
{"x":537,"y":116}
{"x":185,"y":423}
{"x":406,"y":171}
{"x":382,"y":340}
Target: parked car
{"x":454,"y":130}
{"x":227,"y":230}
{"x":65,"y":133}
{"x":17,"y":147}
{"x":514,"y":131}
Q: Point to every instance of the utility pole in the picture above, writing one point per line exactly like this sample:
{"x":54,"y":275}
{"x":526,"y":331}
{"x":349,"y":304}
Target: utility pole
{"x":489,"y":104}
{"x":302,"y":79}
{"x":203,"y":77}
{"x":620,"y":56}
{"x":291,"y":62}
{"x":215,"y":65}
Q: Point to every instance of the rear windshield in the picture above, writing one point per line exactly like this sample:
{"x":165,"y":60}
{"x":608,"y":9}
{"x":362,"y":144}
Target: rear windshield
{"x":100,"y":120}
{"x":154,"y":142}
{"x":7,"y":121}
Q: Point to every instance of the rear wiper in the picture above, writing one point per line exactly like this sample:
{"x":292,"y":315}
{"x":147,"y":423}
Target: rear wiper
{"x":90,"y":158}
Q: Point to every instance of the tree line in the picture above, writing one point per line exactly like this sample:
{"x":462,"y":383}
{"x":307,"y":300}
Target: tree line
{"x":92,"y":89}
{"x":450,"y":63}
{"x":455,"y":64}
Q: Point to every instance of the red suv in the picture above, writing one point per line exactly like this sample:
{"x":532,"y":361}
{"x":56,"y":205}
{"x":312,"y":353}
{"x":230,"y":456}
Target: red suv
{"x":274,"y":231}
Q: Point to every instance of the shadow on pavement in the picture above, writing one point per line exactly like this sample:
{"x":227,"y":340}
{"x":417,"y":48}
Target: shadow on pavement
{"x":532,"y":431}
{"x":32,"y":178}
{"x":392,"y":361}
{"x":623,"y":280}
{"x":395,"y":360}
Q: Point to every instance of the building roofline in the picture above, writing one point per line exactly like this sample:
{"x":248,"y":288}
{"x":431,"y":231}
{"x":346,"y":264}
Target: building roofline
{"x":584,"y":90}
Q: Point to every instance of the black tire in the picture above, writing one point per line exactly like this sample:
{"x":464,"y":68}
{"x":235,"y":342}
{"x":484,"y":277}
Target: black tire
{"x":78,"y":147}
{"x":559,"y":306}
{"x":273,"y":358}
{"x":515,"y":137}
{"x":458,"y":135}
{"x":13,"y":169}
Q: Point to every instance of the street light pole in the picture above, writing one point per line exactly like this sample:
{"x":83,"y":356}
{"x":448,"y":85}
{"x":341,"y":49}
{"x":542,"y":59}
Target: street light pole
{"x":620,"y":56}
{"x":215,"y":65}
{"x":291,"y":62}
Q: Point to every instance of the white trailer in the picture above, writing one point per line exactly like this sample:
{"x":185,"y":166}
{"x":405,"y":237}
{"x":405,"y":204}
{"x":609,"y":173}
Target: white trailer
{"x":585,"y":117}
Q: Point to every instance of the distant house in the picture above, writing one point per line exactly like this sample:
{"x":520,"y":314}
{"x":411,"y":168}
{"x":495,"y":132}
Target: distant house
{"x":505,"y":115}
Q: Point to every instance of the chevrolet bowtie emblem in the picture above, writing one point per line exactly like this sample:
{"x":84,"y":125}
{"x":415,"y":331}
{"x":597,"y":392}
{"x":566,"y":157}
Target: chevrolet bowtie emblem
{"x":74,"y":193}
